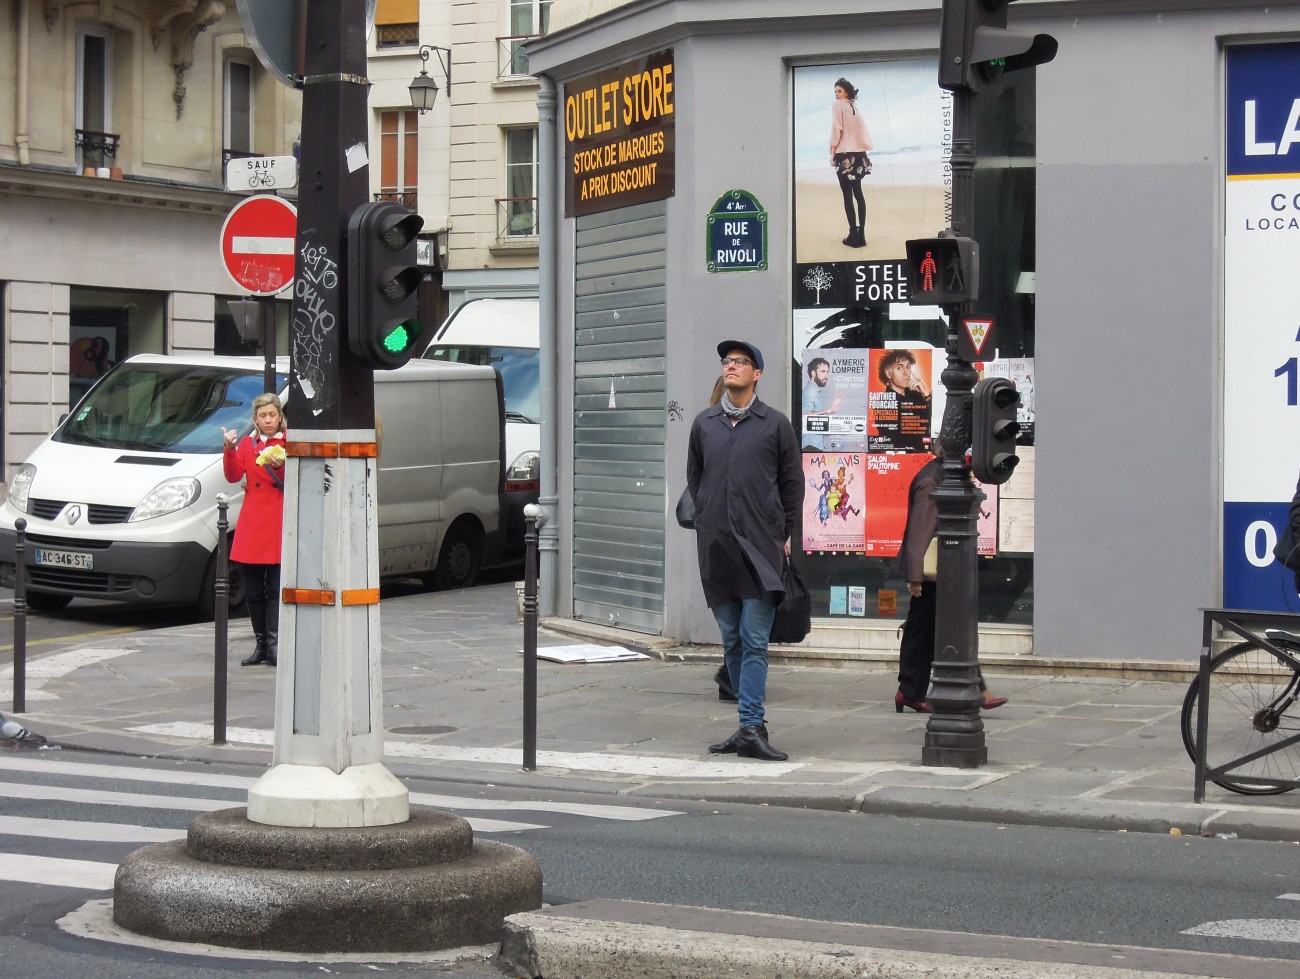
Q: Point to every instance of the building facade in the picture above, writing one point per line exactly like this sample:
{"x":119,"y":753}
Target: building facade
{"x":1134,"y":204}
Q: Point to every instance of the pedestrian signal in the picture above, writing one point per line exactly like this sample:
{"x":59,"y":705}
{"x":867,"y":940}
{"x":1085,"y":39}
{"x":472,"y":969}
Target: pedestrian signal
{"x":976,"y":48}
{"x":942,"y":270}
{"x":994,"y":429}
{"x":383,"y":325}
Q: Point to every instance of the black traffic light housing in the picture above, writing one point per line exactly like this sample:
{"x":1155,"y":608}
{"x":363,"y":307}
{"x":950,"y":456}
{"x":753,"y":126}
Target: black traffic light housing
{"x":994,"y":429}
{"x":383,"y":278}
{"x":976,"y":48}
{"x":942,"y":270}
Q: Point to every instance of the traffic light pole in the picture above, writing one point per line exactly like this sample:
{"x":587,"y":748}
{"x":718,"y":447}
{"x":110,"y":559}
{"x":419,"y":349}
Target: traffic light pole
{"x":954,"y":733}
{"x":328,"y":755}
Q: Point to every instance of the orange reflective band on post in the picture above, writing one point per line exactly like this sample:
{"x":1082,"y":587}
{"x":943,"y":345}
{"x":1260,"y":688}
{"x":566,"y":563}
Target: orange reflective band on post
{"x":358,"y":450}
{"x":361,"y":596}
{"x":320,"y":450}
{"x":307,"y":596}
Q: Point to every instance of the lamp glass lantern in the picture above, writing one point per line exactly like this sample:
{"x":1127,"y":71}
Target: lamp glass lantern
{"x":423,"y":88}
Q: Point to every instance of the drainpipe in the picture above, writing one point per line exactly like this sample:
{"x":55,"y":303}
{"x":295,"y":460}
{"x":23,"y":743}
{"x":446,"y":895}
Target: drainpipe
{"x":22,"y":138}
{"x":548,"y":229}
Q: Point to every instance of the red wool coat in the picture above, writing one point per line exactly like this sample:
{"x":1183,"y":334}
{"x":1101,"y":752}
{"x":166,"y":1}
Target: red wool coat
{"x":261,"y":520}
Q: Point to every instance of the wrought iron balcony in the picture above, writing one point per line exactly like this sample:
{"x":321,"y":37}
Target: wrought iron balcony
{"x":409,"y":199}
{"x":516,"y":217}
{"x":512,"y":61}
{"x":96,"y":149}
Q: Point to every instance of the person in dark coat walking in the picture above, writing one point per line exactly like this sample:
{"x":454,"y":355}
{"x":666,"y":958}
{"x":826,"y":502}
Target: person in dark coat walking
{"x":745,"y":475}
{"x":916,"y":651}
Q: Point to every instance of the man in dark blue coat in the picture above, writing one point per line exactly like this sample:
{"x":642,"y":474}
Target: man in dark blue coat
{"x":746,"y":478}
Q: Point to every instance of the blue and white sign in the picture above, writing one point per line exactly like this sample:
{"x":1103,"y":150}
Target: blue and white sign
{"x":1261,"y":347}
{"x":736,"y":234}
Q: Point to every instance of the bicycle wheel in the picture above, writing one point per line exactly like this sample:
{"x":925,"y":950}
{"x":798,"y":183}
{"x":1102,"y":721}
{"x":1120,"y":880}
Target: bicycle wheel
{"x":1245,"y":682}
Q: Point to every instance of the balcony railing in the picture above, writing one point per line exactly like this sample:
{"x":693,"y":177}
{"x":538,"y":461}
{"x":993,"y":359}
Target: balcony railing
{"x":96,"y":149}
{"x":516,"y":217}
{"x":407,"y":198}
{"x":512,"y":62}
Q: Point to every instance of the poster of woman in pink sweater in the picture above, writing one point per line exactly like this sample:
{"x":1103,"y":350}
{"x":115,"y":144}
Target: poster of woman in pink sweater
{"x":850,"y":141}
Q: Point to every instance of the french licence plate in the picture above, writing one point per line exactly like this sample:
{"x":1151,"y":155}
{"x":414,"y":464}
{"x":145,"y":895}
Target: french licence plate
{"x":64,"y":559}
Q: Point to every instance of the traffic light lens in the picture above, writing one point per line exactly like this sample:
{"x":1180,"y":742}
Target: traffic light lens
{"x":402,"y":337}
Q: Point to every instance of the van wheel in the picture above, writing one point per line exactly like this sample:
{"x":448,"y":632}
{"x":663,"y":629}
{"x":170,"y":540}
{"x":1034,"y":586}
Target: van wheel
{"x":44,"y":601}
{"x":459,"y":559}
{"x":205,"y":606}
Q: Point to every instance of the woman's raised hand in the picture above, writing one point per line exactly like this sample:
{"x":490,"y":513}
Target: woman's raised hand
{"x":230,"y":436}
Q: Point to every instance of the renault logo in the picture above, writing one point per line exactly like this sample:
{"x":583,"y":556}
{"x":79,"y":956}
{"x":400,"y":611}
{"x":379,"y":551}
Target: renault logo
{"x":73,"y":513}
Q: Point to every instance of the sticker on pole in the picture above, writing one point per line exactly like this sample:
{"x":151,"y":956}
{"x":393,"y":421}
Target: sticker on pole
{"x":257,"y":243}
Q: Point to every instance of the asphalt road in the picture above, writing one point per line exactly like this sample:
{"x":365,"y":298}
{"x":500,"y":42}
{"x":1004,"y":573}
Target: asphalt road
{"x":1050,"y":884}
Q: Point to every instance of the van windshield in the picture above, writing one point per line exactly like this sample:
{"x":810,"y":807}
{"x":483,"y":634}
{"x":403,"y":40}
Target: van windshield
{"x":519,"y":369}
{"x":164,"y":408}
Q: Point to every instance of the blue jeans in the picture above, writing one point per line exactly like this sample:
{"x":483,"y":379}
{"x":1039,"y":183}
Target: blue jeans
{"x":745,"y":625}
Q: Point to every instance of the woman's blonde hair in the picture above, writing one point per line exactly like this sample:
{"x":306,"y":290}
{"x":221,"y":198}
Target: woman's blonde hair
{"x":262,"y":400}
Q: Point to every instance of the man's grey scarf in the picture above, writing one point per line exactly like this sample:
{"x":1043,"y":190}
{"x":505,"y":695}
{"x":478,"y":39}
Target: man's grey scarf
{"x":730,"y":410}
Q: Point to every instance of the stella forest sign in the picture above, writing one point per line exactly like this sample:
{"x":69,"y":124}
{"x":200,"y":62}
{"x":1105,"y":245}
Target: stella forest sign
{"x":619,"y":128}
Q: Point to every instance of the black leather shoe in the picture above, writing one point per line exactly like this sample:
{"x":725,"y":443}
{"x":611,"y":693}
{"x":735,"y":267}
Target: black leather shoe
{"x":723,"y":679}
{"x":729,"y":746}
{"x":258,"y":656}
{"x":751,"y":742}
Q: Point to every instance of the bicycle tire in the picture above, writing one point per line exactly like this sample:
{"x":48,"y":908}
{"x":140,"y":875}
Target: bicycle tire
{"x":1244,"y":679}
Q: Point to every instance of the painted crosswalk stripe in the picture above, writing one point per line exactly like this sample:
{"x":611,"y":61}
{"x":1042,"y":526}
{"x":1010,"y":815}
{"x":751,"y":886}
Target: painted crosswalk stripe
{"x":216,"y":780}
{"x":85,"y":874}
{"x":46,"y":668}
{"x":585,"y":761}
{"x":1251,"y":929}
{"x":87,"y":832}
{"x":103,"y":797}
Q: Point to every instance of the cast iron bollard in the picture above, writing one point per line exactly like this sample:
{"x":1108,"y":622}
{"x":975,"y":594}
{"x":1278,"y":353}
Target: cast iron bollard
{"x":531,"y":514}
{"x":221,"y":617}
{"x":20,"y":616}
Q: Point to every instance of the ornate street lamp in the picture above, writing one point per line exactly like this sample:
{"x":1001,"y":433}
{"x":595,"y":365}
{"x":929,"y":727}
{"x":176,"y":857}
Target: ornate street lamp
{"x":424,"y":90}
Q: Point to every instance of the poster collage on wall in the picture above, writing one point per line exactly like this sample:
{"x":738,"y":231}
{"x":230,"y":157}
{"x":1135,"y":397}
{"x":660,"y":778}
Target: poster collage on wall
{"x":871,"y":163}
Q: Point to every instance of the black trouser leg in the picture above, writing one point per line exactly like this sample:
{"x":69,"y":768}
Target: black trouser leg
{"x":272,"y":593}
{"x":916,"y":652}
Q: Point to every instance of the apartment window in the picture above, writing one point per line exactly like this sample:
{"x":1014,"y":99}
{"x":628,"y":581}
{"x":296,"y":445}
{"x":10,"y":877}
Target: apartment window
{"x":528,"y":18}
{"x":96,"y":146}
{"x":517,"y":211}
{"x":399,"y":154}
{"x":238,"y":85}
{"x":397,"y":23}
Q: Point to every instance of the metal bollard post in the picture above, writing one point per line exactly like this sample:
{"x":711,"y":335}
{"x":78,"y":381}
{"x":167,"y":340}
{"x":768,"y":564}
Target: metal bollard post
{"x":532,"y":513}
{"x":20,"y":616}
{"x":221,"y":618}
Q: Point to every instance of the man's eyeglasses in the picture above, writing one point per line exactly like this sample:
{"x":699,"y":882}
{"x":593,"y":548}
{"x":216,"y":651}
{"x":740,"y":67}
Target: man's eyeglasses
{"x":738,"y":361}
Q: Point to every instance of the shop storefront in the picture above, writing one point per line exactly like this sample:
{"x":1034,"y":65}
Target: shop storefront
{"x":1121,"y":297}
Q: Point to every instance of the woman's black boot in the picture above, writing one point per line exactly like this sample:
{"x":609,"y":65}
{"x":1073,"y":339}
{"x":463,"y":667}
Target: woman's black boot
{"x":257,"y":616}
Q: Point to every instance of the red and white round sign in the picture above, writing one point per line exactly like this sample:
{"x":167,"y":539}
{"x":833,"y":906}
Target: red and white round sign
{"x":257,"y":244}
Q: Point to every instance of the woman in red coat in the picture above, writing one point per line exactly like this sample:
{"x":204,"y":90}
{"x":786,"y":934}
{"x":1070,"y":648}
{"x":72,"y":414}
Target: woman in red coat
{"x":258,"y":459}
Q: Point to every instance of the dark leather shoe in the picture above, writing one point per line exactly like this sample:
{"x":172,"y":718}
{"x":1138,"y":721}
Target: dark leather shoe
{"x":729,"y":746}
{"x":258,"y":656}
{"x":723,"y":679}
{"x":920,"y":706}
{"x":751,"y":742}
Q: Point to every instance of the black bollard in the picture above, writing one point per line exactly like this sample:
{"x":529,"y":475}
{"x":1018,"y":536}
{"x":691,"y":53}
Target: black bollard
{"x":20,"y":616}
{"x":220,"y":621}
{"x":530,"y":638}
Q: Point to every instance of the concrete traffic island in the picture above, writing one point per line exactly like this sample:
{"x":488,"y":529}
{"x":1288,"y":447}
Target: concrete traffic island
{"x":421,"y":885}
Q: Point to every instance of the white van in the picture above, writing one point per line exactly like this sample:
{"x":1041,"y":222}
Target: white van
{"x":120,"y":500}
{"x":504,"y":334}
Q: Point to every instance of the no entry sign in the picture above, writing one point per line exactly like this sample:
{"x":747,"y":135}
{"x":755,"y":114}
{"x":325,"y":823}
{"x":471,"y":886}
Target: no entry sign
{"x":257,"y":244}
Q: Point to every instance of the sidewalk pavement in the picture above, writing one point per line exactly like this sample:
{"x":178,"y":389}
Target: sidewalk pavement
{"x":1092,"y":751}
{"x":1086,"y":745}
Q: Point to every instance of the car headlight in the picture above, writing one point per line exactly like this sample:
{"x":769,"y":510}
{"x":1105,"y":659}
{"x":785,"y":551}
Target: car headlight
{"x":166,"y":497}
{"x":525,"y":472}
{"x":21,"y":485}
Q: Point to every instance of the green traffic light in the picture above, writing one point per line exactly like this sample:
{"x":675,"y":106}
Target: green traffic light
{"x":402,"y":337}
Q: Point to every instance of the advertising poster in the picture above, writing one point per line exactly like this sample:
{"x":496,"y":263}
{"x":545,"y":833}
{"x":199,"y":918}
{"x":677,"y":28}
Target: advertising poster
{"x":899,"y":400}
{"x":888,"y":478}
{"x":833,"y":502}
{"x":1261,"y":347}
{"x":834,"y":401}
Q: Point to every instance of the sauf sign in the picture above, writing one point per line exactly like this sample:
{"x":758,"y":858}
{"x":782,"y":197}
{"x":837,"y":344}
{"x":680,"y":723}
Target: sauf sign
{"x":619,"y":129}
{"x":1261,"y":329}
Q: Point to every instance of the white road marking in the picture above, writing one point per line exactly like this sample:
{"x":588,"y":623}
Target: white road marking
{"x":1288,"y":897}
{"x":593,"y":761}
{"x":212,"y":779}
{"x":92,"y":797}
{"x":40,"y":671}
{"x":1251,"y":929}
{"x":85,"y":874}
{"x":68,"y":829}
